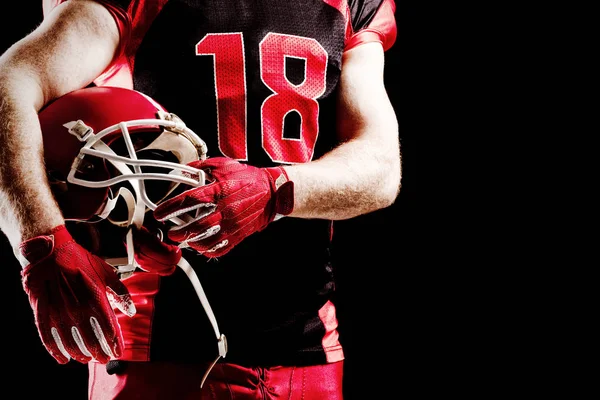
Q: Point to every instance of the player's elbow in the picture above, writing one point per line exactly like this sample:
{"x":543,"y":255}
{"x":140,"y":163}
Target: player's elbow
{"x":19,"y":87}
{"x":389,"y":176}
{"x":390,"y":184}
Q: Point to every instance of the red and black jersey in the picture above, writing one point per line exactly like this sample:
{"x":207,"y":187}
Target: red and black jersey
{"x":256,"y":80}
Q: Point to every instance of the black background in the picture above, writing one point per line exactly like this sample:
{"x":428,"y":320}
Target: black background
{"x":378,"y":292}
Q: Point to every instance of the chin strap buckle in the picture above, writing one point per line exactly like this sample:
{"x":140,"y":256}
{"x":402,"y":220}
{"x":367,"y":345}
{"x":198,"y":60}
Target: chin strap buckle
{"x":222,"y":343}
{"x":79,"y":129}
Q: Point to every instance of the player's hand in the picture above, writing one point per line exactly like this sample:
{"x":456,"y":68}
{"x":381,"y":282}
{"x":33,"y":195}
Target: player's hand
{"x":72,"y":293}
{"x":238,"y":200}
{"x":152,"y":254}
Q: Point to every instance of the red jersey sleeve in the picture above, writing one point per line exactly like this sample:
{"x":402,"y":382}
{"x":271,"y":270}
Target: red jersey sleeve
{"x":371,"y":21}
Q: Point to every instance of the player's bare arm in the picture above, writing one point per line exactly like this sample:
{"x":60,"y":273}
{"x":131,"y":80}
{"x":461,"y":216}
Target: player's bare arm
{"x":73,"y":45}
{"x":363,"y":173}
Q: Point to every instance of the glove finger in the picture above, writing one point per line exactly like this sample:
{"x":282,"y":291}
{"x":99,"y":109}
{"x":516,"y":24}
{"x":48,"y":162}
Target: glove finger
{"x":202,"y":230}
{"x":228,"y":242}
{"x":63,"y":335}
{"x":86,"y":338}
{"x":244,"y":205}
{"x":188,"y":202}
{"x":215,"y":249}
{"x":154,"y":255}
{"x":221,"y":239}
{"x":79,"y":297}
{"x":42,"y":313}
{"x":75,"y":296}
{"x":85,"y":345}
{"x":108,"y":336}
{"x":52,"y":345}
{"x":63,"y":299}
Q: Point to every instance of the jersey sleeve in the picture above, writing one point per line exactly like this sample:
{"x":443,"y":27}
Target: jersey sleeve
{"x":372,"y":21}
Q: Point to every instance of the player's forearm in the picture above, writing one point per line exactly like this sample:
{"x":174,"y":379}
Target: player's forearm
{"x":363,"y":173}
{"x":356,"y":178}
{"x":27,"y":207}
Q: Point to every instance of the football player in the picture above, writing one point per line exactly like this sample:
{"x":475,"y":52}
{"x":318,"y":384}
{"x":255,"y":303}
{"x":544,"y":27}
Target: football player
{"x":288,"y":99}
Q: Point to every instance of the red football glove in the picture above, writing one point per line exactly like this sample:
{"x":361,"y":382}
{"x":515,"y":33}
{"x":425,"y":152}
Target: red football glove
{"x":69,"y":290}
{"x":239,"y":200}
{"x":153,"y":255}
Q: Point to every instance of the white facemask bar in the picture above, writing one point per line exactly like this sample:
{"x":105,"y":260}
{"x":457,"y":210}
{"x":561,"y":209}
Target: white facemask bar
{"x":93,"y":141}
{"x":96,"y":147}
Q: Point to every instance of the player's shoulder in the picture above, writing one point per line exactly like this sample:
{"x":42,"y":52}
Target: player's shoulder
{"x":372,"y":21}
{"x":364,"y":12}
{"x":49,"y":5}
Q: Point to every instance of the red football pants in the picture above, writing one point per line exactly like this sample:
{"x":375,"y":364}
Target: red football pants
{"x":160,"y":381}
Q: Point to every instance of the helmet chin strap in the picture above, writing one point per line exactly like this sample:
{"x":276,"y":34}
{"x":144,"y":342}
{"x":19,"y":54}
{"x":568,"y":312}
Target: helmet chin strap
{"x":136,"y":207}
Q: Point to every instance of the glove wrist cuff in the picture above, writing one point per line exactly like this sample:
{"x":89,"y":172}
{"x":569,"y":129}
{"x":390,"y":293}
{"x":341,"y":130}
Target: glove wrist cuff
{"x":279,"y":176}
{"x":33,"y":250}
{"x":283,"y":189}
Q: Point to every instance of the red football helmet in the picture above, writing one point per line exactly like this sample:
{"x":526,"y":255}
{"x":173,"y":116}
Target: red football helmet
{"x":102,"y":143}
